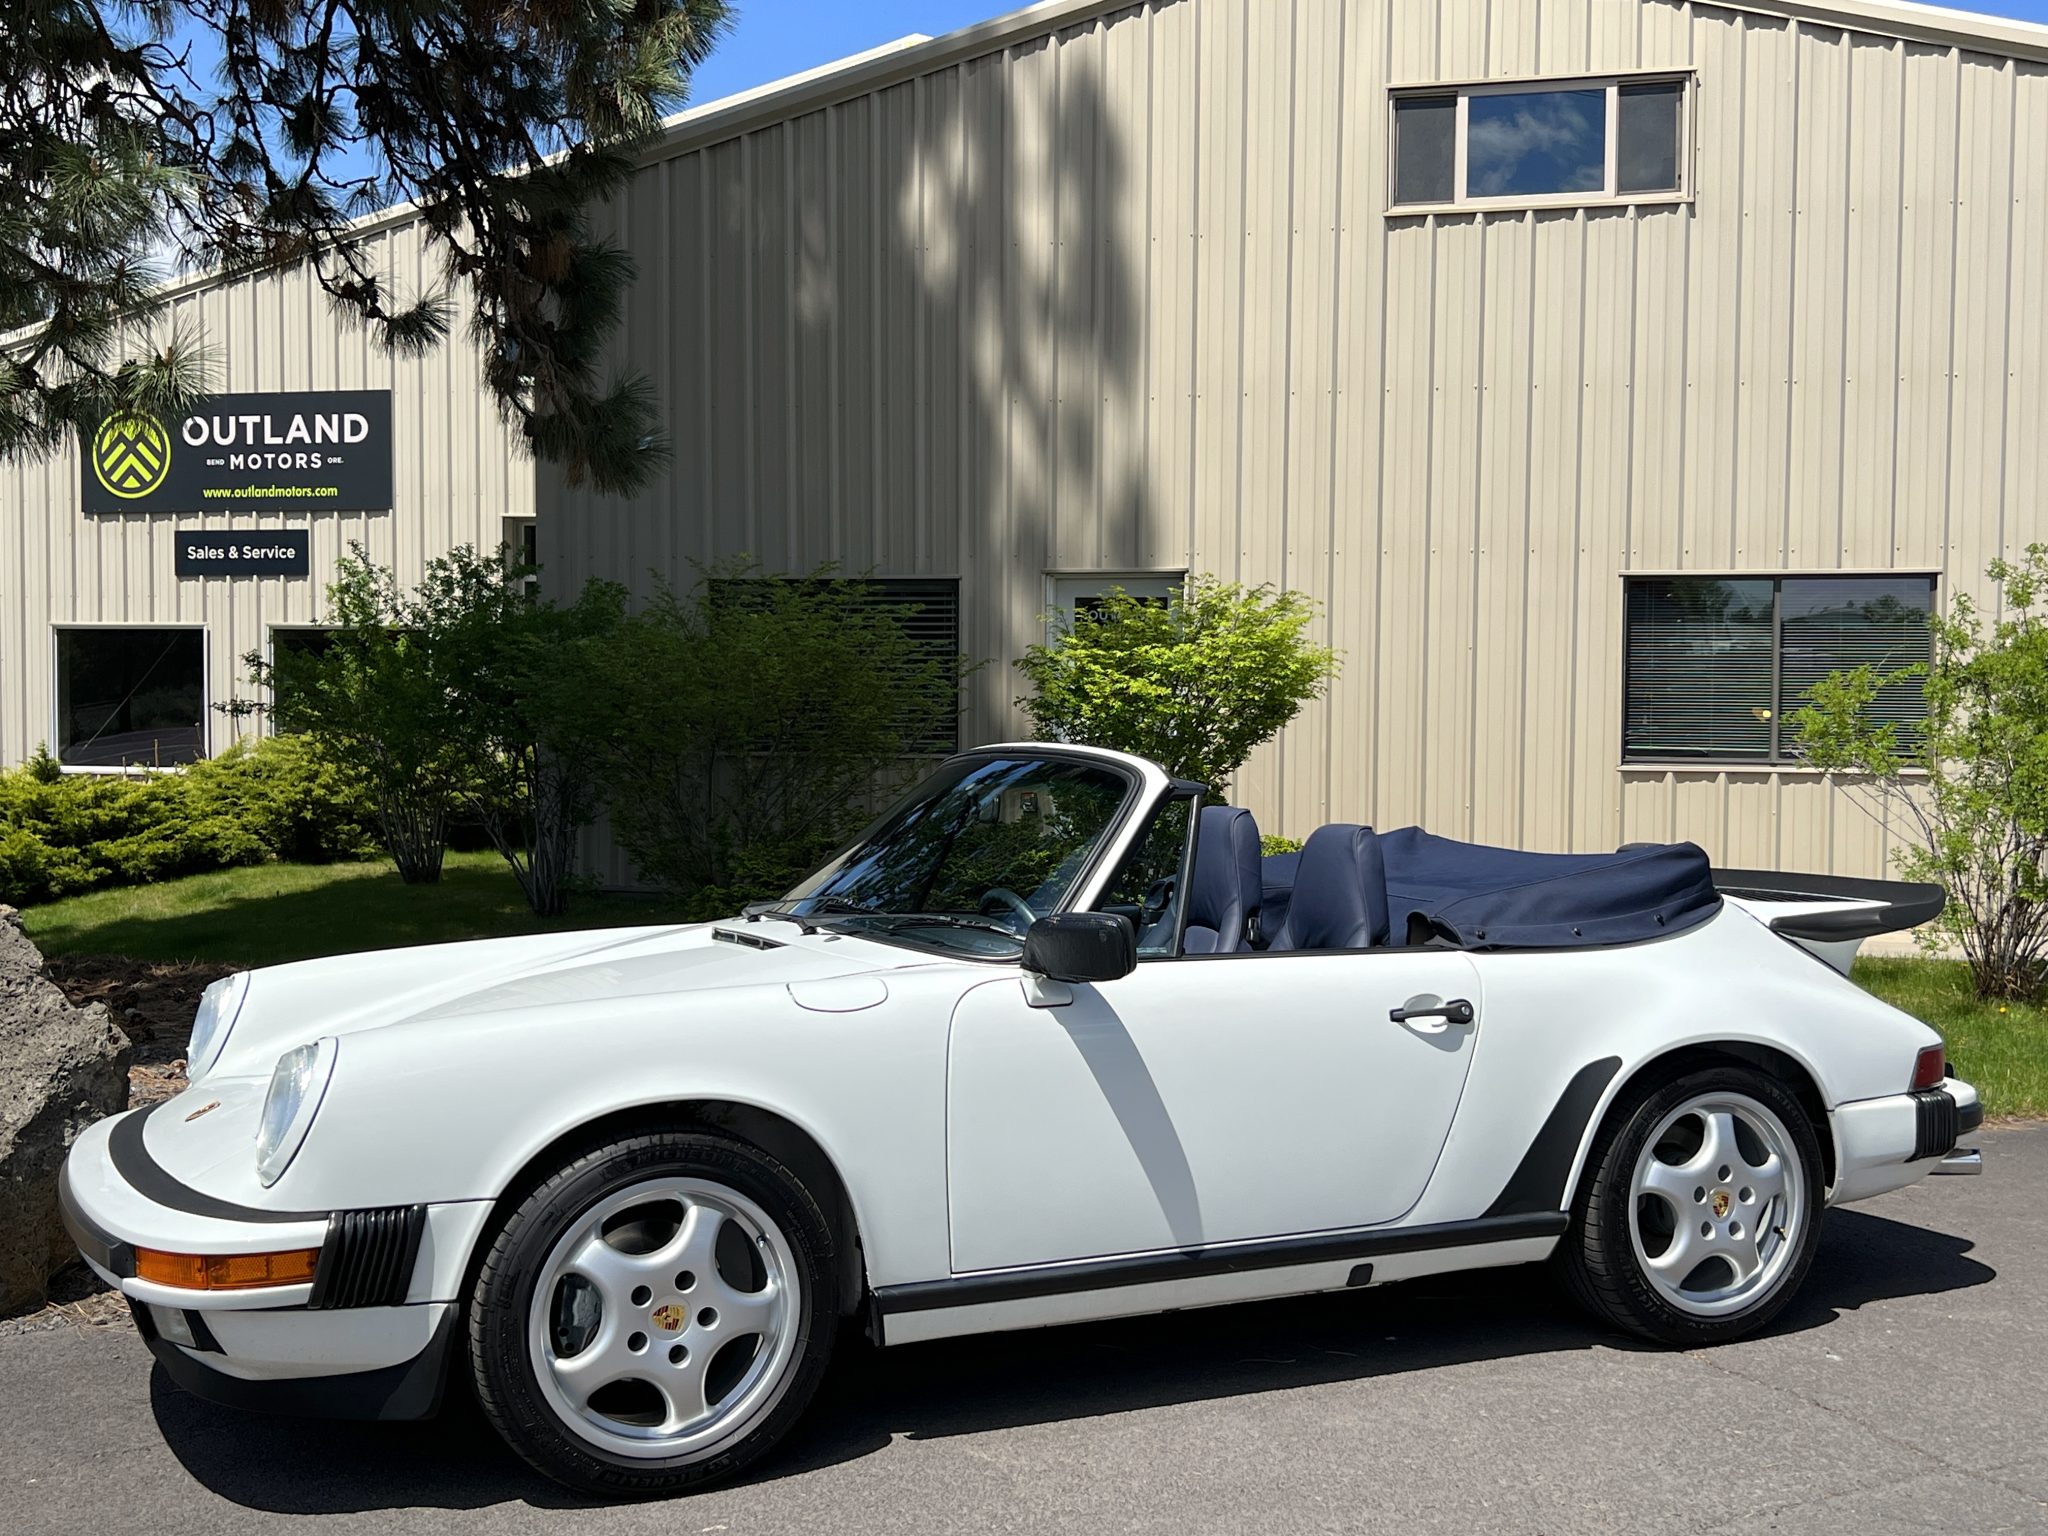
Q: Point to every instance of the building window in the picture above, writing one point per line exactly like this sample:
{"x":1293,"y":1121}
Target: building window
{"x":293,"y":641}
{"x":928,"y":608}
{"x":1071,"y":599}
{"x":1713,"y":665}
{"x":131,"y":697}
{"x":1577,"y":141}
{"x":522,"y":548}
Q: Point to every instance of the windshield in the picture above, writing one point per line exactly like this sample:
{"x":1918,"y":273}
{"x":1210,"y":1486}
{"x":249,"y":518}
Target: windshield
{"x":977,"y":853}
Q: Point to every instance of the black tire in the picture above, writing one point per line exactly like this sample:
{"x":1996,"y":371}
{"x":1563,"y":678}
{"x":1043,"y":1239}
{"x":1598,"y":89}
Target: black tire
{"x":1597,"y":1258}
{"x":500,"y":1356}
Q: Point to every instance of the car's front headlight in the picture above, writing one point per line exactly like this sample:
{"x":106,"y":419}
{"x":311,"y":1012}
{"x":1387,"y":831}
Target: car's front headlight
{"x":219,"y":1005}
{"x":296,"y":1088}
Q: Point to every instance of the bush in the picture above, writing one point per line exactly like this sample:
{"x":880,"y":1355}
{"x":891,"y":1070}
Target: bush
{"x":1273,"y":843}
{"x":748,"y":731}
{"x":1971,"y":780}
{"x":63,"y":833}
{"x":299,"y":803}
{"x":519,"y":673}
{"x":373,"y":698}
{"x":1195,"y":684}
{"x":459,"y":705}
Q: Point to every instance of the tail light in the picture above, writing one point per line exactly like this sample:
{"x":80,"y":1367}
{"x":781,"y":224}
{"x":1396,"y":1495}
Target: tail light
{"x":1930,"y":1067}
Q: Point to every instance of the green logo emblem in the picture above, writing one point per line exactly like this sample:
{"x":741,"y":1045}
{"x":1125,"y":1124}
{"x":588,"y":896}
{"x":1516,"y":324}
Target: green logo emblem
{"x":131,"y":455}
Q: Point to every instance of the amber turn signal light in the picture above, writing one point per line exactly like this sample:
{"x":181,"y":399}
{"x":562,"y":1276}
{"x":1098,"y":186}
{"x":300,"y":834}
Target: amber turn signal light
{"x":225,"y":1271}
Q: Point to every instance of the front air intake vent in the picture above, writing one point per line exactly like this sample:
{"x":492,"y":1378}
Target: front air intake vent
{"x":368,"y":1257}
{"x":751,"y":940}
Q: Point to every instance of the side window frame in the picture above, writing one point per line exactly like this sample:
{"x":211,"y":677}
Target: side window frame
{"x":1195,"y":796}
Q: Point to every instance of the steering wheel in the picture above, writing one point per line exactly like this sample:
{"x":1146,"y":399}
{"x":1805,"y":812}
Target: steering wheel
{"x":1001,"y":896}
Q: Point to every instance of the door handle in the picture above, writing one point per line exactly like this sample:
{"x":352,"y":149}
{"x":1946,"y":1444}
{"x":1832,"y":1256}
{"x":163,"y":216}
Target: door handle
{"x":1456,"y":1011}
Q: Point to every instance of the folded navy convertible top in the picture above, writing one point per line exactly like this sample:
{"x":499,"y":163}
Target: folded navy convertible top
{"x":1488,"y":898}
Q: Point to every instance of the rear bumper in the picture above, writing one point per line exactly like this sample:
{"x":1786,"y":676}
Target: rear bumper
{"x":1884,"y":1144}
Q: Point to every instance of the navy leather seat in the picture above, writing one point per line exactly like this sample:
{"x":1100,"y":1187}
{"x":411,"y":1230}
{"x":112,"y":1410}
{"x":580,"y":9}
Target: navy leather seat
{"x":1224,"y":889}
{"x":1276,"y":882}
{"x":1340,"y":893}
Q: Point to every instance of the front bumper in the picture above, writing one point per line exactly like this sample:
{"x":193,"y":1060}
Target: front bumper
{"x":409,"y":1389}
{"x":368,"y":1338}
{"x":1887,"y":1143}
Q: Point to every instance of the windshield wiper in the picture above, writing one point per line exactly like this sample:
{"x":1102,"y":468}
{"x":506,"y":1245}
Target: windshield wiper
{"x":806,"y":922}
{"x":890,"y":922}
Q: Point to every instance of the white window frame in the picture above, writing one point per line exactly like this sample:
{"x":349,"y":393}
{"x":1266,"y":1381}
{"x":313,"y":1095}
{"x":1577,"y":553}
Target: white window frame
{"x":1065,"y":589}
{"x":56,"y":741}
{"x":1608,"y":197}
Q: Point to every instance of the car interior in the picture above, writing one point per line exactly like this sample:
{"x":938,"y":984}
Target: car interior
{"x":1351,"y":888}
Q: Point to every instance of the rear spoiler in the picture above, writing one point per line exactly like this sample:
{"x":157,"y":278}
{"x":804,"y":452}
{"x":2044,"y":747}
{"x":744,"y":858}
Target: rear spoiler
{"x":1833,"y":909}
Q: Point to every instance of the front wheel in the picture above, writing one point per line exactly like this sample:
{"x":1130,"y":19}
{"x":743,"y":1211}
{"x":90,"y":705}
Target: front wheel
{"x":1700,"y":1211}
{"x":654,"y":1316}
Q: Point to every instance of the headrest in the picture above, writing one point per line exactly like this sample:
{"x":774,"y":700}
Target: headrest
{"x":1340,"y":892}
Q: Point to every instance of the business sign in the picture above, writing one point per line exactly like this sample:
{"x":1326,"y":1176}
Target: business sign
{"x":244,"y":552}
{"x":246,"y":453}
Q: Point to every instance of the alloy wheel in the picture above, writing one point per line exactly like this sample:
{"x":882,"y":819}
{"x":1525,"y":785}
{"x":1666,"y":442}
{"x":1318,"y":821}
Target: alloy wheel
{"x":1717,"y":1204}
{"x":666,"y":1320}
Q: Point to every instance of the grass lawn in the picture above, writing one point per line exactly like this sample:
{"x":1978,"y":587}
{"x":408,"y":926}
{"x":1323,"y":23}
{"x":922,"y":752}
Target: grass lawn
{"x":267,"y":913}
{"x":2001,"y":1048}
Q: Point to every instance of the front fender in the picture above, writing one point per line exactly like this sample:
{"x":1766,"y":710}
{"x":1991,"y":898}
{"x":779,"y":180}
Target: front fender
{"x":452,"y":1109}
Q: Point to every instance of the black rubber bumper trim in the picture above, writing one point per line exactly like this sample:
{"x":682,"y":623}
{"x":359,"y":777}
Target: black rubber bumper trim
{"x":409,"y":1390}
{"x":1969,"y":1117}
{"x":102,"y":1248}
{"x":1936,"y":1124}
{"x":1199,"y":1263}
{"x":148,"y":1178}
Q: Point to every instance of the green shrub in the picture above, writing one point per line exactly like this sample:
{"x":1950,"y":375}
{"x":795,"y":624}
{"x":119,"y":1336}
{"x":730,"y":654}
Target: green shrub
{"x":64,"y":833}
{"x":1196,"y":685}
{"x":1273,"y":843}
{"x":747,"y":728}
{"x":1968,"y":786}
{"x":459,"y":704}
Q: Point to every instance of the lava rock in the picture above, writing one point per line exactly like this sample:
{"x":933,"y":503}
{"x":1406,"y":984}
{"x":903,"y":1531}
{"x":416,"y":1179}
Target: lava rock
{"x":61,"y":1069}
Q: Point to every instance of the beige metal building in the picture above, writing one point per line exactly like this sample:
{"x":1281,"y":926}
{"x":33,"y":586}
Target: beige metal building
{"x":112,"y":650}
{"x":1606,"y":368}
{"x":1104,"y":290}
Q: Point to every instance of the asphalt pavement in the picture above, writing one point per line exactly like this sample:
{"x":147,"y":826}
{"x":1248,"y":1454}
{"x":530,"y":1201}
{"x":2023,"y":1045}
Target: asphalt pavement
{"x":1905,"y":1390}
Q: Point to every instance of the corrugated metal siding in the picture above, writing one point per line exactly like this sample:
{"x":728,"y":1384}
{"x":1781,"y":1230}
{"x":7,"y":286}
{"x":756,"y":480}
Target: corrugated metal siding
{"x":457,"y":475}
{"x":1125,"y":296}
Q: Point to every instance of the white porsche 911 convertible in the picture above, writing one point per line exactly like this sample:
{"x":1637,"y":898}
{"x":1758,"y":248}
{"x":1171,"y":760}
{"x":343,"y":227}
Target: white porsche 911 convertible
{"x":1049,"y":1042}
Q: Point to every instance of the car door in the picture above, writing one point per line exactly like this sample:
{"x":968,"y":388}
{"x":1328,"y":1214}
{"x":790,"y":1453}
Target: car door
{"x":1200,"y":1100}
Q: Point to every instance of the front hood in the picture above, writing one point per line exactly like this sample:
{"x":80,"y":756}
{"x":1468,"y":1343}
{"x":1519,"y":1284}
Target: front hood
{"x":287,"y":1005}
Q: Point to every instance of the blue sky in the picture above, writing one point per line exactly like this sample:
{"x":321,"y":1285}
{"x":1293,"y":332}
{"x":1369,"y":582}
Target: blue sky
{"x":773,"y":38}
{"x":780,"y":37}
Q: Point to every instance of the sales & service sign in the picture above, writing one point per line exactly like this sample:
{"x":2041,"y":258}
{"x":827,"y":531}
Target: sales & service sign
{"x":246,"y":453}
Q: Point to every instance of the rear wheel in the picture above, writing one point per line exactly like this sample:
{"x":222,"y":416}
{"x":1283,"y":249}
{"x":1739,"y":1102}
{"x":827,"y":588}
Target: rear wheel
{"x":655,"y":1315}
{"x":1700,"y":1211}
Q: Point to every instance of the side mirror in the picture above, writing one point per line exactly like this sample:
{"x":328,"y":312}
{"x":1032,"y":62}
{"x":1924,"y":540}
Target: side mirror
{"x":1081,"y":947}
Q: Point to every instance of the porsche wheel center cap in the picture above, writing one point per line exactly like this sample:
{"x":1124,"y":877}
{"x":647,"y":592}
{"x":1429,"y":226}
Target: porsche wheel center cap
{"x":671,"y":1317}
{"x":1721,"y":1204}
